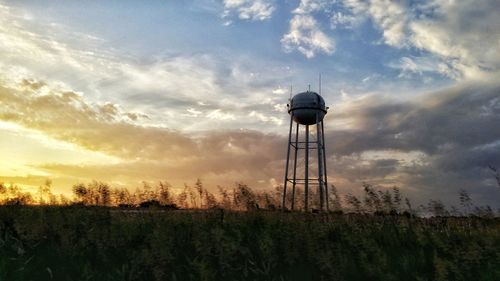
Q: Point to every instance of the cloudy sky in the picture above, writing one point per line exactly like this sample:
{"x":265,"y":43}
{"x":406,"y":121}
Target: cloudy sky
{"x":132,"y":91}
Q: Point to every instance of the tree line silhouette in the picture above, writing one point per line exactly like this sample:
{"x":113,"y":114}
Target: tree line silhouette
{"x":241,"y":197}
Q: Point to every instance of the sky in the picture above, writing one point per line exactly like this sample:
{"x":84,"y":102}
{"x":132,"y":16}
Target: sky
{"x":133,"y":91}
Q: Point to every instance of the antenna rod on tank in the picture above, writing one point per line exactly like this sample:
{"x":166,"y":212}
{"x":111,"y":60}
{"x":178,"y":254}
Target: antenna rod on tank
{"x":320,"y":83}
{"x":309,"y":87}
{"x":291,"y":88}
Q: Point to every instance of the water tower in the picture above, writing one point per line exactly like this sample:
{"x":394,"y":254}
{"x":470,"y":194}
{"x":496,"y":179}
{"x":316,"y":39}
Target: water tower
{"x":306,"y":109}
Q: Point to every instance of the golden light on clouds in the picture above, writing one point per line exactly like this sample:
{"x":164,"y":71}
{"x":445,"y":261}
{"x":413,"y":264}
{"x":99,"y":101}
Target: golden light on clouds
{"x":24,"y":150}
{"x":58,"y":135}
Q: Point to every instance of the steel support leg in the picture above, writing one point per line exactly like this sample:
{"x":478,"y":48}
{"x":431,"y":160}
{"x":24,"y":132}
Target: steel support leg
{"x":294,"y":183}
{"x":324,"y":165}
{"x":283,"y":205}
{"x":321,"y":182}
{"x":306,"y":174}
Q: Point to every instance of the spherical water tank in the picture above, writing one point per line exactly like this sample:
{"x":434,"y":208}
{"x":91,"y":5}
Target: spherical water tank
{"x":307,"y":108}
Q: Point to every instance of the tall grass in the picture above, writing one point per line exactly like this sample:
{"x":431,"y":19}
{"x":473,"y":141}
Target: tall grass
{"x":240,"y":197}
{"x":153,"y":233}
{"x":100,"y":243}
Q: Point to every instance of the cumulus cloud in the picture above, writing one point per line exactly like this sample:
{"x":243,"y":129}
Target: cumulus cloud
{"x":389,"y":17}
{"x":419,"y":66}
{"x":462,"y":36}
{"x":68,"y":117}
{"x":156,"y":91}
{"x":252,"y":10}
{"x":310,"y":6}
{"x":220,"y":115}
{"x":280,"y":91}
{"x":306,"y":36}
{"x":344,"y":20}
{"x":265,"y":118}
{"x":143,"y":151}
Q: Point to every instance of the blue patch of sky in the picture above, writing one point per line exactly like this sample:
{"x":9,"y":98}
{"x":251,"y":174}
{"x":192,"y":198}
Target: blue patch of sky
{"x":147,"y":29}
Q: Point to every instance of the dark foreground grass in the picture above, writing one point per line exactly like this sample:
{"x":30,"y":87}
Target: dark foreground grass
{"x":77,"y":243}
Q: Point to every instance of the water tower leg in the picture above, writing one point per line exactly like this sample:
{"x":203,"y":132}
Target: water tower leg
{"x":319,"y":145}
{"x":306,"y":174}
{"x":283,"y":205}
{"x":324,"y":165}
{"x":294,"y":182}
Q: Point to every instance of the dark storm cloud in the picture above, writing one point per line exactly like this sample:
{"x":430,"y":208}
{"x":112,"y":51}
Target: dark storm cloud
{"x":465,"y":116}
{"x":457,"y":129}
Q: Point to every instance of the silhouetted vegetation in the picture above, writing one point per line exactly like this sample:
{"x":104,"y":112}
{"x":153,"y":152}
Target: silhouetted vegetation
{"x":154,"y":233}
{"x":100,"y":243}
{"x":13,"y":195}
{"x":239,"y":198}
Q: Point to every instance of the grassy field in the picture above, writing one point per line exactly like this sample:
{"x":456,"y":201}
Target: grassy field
{"x":98,"y":243}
